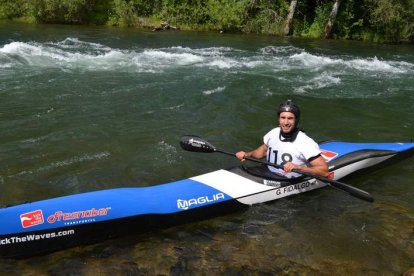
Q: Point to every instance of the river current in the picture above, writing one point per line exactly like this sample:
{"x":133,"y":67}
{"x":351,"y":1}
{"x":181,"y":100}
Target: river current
{"x":90,"y":108}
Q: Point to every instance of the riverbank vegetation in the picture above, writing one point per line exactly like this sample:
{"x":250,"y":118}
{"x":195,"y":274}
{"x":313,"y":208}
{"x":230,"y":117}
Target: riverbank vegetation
{"x":390,"y":21}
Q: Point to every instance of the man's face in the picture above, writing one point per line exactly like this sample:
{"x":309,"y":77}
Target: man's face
{"x":287,"y":121}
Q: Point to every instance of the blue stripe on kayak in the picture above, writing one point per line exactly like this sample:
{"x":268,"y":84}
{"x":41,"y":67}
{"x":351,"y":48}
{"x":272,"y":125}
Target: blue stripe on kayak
{"x":343,"y":148}
{"x":108,"y":204}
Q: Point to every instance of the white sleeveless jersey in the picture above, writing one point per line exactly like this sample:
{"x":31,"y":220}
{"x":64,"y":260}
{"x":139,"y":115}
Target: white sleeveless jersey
{"x":297,"y":152}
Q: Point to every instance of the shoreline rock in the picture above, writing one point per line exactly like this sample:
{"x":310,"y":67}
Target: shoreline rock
{"x":164,"y":27}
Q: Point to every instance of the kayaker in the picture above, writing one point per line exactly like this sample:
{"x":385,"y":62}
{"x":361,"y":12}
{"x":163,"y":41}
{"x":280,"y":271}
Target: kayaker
{"x":289,"y":146}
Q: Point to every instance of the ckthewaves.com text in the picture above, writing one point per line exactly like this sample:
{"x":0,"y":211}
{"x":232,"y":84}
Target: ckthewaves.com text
{"x":36,"y":237}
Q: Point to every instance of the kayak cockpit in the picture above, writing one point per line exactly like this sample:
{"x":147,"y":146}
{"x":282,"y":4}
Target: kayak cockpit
{"x":261,"y":174}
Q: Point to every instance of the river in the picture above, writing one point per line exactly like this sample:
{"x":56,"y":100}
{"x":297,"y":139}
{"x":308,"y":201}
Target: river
{"x":90,"y":108}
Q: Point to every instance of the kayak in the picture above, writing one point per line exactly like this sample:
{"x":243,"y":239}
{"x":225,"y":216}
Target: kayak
{"x":53,"y":224}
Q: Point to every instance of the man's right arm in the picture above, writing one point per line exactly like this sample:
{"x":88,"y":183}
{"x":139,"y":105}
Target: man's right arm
{"x":258,"y":153}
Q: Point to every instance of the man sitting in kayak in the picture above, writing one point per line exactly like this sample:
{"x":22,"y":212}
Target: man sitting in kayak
{"x":288,"y":146}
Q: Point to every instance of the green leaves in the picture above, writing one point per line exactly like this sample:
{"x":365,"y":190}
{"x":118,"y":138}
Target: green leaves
{"x":392,"y":20}
{"x":375,"y":20}
{"x":61,"y":11}
{"x":228,"y":15}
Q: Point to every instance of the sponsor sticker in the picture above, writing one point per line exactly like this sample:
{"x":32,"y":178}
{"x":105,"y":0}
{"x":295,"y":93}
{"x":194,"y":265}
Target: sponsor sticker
{"x":80,"y":216}
{"x":298,"y":187}
{"x":32,"y":218}
{"x":273,"y":183}
{"x":185,"y":204}
{"x":35,"y":237}
{"x":328,"y":155}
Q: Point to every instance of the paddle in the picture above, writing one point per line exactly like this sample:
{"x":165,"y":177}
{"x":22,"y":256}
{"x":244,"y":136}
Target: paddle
{"x":198,"y":144}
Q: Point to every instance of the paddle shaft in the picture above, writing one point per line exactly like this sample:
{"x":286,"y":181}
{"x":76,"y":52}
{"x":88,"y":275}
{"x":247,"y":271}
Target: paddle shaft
{"x":342,"y":186}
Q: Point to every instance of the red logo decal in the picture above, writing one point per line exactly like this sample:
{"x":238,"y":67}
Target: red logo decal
{"x":328,"y":155}
{"x":32,"y":218}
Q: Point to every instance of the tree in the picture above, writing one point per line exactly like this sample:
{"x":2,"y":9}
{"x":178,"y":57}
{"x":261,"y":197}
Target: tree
{"x":331,"y":19}
{"x":392,"y":20}
{"x":289,"y":19}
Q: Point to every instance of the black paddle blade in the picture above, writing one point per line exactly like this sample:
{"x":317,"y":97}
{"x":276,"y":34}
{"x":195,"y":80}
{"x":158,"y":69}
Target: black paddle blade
{"x":196,"y":144}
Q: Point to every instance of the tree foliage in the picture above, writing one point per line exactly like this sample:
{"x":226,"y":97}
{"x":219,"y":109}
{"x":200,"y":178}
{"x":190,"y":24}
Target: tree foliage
{"x":392,"y":20}
{"x":229,"y":15}
{"x":62,"y":11}
{"x":375,"y":20}
{"x":12,"y":9}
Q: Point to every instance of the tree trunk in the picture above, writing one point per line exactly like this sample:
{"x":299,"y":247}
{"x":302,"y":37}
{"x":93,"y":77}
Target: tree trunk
{"x":331,"y":20}
{"x":289,"y":19}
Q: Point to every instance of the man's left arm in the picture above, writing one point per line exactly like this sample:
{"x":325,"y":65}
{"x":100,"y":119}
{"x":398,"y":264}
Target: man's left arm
{"x":317,"y":166}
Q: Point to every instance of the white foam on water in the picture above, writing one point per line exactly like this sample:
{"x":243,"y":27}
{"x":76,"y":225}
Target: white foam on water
{"x":163,"y":57}
{"x":74,"y":160}
{"x":280,"y":50}
{"x":63,"y":163}
{"x":72,"y":53}
{"x":223,"y":63}
{"x":35,"y":139}
{"x":375,"y":65}
{"x":17,"y":47}
{"x":314,"y":61}
{"x":75,"y":43}
{"x":169,"y":152}
{"x":362,"y":65}
{"x":255,"y":63}
{"x":214,"y":52}
{"x":6,"y":65}
{"x":19,"y":174}
{"x":321,"y":81}
{"x":175,"y":107}
{"x":215,"y":90}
